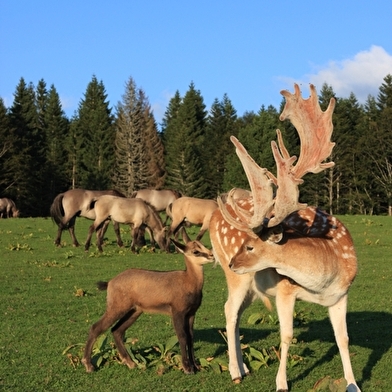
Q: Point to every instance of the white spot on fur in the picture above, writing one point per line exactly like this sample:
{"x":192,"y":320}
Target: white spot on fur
{"x":232,"y":240}
{"x":225,"y":241}
{"x":236,"y":249}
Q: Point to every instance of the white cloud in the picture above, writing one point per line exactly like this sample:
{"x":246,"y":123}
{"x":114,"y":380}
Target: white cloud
{"x":160,"y":105}
{"x":363,"y":74}
{"x":69,"y":105}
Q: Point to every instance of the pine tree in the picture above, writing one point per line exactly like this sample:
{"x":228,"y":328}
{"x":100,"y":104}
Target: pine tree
{"x":347,"y":120}
{"x":95,"y":128}
{"x":155,"y":149}
{"x":382,"y":146}
{"x":184,"y":139}
{"x":23,"y":166}
{"x":5,"y":146}
{"x":139,"y":151}
{"x":221,"y":124}
{"x":365,"y":190}
{"x":56,"y":129}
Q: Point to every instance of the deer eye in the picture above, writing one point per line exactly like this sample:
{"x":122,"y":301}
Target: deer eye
{"x":196,"y":252}
{"x":249,"y":248}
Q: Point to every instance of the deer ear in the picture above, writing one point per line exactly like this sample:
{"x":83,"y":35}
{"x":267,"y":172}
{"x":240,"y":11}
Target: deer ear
{"x":180,"y":247}
{"x":275,"y":234}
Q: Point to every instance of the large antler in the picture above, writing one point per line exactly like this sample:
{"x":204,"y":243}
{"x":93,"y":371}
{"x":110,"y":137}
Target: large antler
{"x":314,"y":128}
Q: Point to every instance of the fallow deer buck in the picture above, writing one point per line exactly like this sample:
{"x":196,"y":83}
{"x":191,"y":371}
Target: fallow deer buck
{"x":271,"y":245}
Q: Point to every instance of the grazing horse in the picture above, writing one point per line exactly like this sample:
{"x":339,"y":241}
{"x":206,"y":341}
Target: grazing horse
{"x":134,"y":212}
{"x":192,"y":210}
{"x":8,"y":208}
{"x":73,"y":203}
{"x":158,"y":198}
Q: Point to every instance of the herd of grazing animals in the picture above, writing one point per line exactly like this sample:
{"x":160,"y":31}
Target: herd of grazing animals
{"x":267,"y":243}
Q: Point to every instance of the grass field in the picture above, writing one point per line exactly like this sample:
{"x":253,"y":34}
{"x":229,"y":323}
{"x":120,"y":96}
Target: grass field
{"x":48,"y":301}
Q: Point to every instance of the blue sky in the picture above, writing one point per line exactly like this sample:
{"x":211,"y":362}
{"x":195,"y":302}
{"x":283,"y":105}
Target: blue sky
{"x":249,"y":50}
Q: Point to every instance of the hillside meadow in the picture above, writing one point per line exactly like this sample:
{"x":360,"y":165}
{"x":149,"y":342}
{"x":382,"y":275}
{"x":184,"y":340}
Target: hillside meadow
{"x":48,"y":301}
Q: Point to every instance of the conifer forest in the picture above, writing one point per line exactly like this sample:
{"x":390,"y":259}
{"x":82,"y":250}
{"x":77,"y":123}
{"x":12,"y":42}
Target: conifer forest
{"x":44,"y":153}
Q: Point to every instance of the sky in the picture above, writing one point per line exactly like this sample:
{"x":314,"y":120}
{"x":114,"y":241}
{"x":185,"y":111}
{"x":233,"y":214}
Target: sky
{"x":248,"y":50}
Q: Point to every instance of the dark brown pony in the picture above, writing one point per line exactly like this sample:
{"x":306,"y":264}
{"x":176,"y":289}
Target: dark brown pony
{"x":73,"y":203}
{"x":8,"y":208}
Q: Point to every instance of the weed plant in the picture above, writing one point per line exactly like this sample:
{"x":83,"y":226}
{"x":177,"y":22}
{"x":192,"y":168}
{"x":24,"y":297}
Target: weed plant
{"x":48,"y":301}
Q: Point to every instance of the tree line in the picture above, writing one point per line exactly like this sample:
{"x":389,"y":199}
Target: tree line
{"x":43,"y":153}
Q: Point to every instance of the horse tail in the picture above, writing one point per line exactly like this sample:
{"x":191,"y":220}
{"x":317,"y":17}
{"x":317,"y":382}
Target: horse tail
{"x":56,"y":209}
{"x":102,"y":285}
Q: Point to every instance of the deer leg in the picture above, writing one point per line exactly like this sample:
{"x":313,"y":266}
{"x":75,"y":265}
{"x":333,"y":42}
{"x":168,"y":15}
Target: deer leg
{"x":118,"y":332}
{"x":238,"y":300}
{"x":337,"y":315}
{"x":191,"y":351}
{"x":285,"y":302}
{"x":96,"y":329}
{"x":181,"y":327}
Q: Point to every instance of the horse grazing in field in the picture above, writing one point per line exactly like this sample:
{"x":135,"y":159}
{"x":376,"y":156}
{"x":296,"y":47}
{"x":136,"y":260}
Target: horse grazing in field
{"x":157,"y":198}
{"x":134,"y":212}
{"x":73,"y":203}
{"x":8,"y":208}
{"x":191,"y":210}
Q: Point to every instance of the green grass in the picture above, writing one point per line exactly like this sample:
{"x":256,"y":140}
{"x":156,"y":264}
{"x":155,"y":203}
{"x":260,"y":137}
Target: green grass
{"x":42,"y":314}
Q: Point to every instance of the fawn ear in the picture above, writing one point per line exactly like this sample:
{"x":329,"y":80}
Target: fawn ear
{"x":180,"y":247}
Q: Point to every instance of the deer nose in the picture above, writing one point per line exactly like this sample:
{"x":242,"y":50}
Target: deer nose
{"x":231,"y":264}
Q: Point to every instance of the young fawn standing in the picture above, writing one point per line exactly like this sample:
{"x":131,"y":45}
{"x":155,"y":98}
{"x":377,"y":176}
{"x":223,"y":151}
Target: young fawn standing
{"x":175,"y":293}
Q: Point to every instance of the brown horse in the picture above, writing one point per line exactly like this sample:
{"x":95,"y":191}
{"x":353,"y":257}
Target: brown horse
{"x":134,"y":212}
{"x":73,"y":203}
{"x":8,"y":208}
{"x":158,"y":198}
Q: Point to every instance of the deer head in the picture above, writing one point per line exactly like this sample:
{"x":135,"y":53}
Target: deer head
{"x":276,"y":197}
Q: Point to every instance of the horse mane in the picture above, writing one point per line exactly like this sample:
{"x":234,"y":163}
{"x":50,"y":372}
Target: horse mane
{"x":115,"y":192}
{"x":176,"y":193}
{"x":152,"y":207}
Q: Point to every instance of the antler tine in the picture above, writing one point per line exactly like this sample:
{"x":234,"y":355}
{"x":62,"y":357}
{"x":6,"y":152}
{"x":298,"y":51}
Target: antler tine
{"x":314,"y":128}
{"x":287,"y":194}
{"x":260,"y":181}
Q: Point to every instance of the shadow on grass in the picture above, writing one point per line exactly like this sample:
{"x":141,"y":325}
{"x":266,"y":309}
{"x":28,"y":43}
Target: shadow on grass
{"x":370,"y":330}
